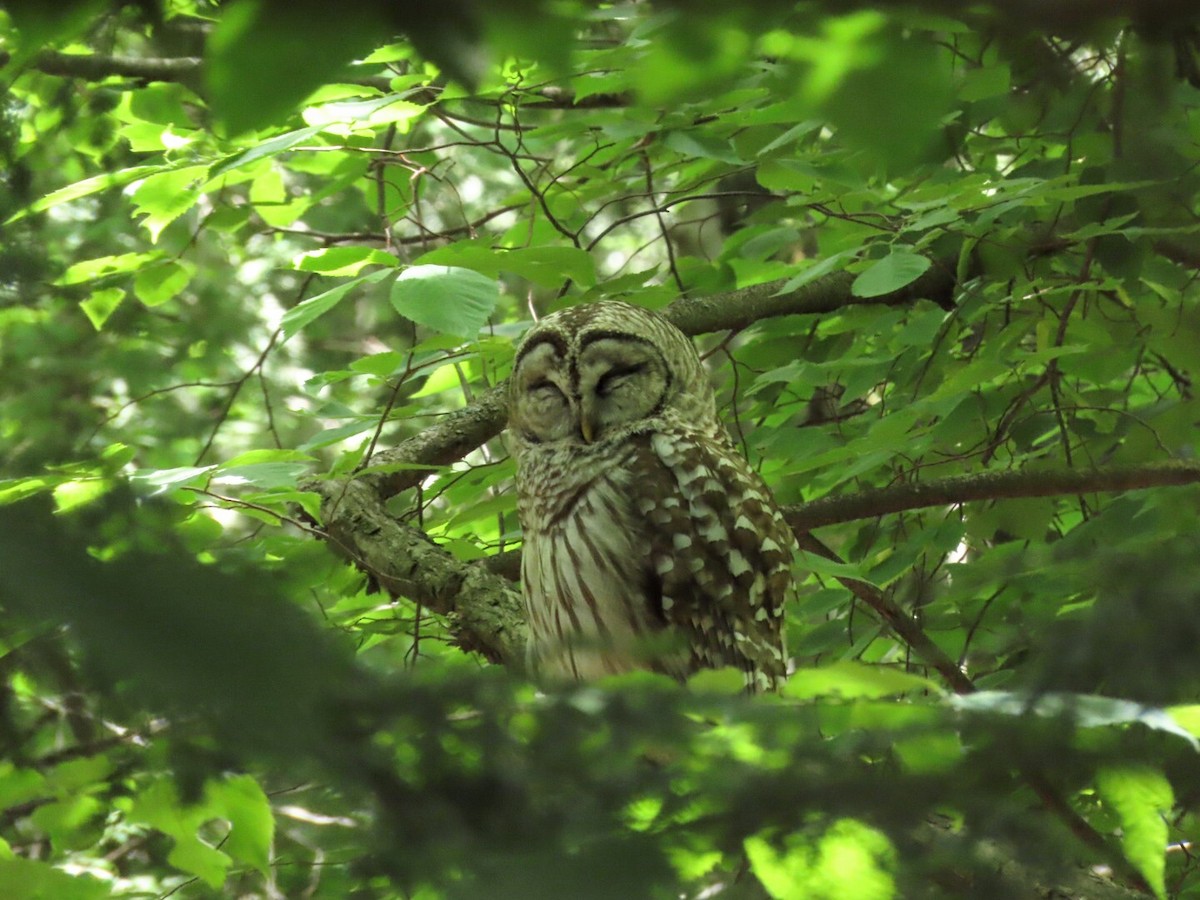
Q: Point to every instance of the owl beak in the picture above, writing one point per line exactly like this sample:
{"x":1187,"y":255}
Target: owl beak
{"x":587,"y":425}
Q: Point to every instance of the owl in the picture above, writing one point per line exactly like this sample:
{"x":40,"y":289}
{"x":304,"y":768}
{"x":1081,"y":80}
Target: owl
{"x":649,"y":542}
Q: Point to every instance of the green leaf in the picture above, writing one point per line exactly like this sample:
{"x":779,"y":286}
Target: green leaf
{"x":822,"y":566}
{"x":1141,"y":797}
{"x":78,"y":492}
{"x":849,"y":859}
{"x":103,"y":266}
{"x":262,"y":474}
{"x":243,"y":803}
{"x":192,"y":855}
{"x":271,"y":147}
{"x":101,"y":304}
{"x":296,"y":318}
{"x":338,"y":433}
{"x":896,"y":270}
{"x":850,"y":679}
{"x":1187,"y":717}
{"x":450,"y":300}
{"x":343,"y":260}
{"x":25,"y":879}
{"x":19,"y":785}
{"x":73,"y":823}
{"x":726,"y":680}
{"x":255,"y":457}
{"x":85,"y":188}
{"x":160,"y":806}
{"x":547,"y":266}
{"x":159,"y":283}
{"x":165,"y":196}
{"x":379,"y":364}
{"x":892,"y":99}
{"x":372,"y":112}
{"x":820,"y":269}
{"x":984,"y":82}
{"x":163,"y":479}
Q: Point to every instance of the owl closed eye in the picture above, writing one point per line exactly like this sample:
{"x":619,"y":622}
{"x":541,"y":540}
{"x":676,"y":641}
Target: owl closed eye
{"x":648,"y":540}
{"x":610,"y":382}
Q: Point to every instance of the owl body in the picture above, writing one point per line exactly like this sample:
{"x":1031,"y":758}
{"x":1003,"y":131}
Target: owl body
{"x":649,"y":542}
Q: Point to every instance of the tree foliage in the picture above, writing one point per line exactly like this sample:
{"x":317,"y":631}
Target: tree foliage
{"x":262,"y":268}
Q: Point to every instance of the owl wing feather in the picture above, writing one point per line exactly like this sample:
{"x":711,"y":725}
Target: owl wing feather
{"x":720,"y":549}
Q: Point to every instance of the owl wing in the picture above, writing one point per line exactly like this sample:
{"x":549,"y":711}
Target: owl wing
{"x":720,"y":550}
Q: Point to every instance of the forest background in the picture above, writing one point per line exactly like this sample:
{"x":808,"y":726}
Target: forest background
{"x":262,"y":266}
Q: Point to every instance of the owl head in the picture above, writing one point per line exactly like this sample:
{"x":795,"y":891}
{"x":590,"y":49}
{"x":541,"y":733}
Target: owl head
{"x":602,"y":370}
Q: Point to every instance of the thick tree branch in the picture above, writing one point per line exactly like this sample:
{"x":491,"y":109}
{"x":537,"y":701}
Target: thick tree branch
{"x":95,"y":67}
{"x":485,"y":611}
{"x":745,"y":306}
{"x":449,"y":440}
{"x":1008,"y":485}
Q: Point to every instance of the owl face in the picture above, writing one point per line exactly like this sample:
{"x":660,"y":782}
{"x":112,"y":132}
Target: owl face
{"x":589,"y":373}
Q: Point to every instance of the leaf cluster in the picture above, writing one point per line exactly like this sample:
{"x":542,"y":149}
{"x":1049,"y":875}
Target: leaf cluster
{"x":262,"y":271}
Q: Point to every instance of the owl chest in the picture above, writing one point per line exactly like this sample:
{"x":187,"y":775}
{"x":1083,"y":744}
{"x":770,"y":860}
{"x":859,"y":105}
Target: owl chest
{"x":585,"y":578}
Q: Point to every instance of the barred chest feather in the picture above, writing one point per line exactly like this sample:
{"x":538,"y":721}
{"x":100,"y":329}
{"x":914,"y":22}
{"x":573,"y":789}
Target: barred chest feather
{"x":579,"y":560}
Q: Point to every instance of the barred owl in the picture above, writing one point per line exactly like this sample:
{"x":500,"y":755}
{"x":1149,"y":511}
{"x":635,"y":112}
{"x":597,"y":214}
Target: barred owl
{"x":648,"y":540}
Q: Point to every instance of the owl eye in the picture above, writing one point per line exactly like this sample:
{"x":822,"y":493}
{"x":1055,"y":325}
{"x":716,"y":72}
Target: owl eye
{"x":544,"y":390}
{"x":612,"y":379}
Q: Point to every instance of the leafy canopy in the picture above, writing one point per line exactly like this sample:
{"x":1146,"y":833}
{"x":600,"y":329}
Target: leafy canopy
{"x":262,"y":268}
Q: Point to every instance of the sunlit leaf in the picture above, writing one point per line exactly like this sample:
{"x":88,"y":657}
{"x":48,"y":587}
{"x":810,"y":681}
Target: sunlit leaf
{"x":847,"y":859}
{"x":26,"y":879}
{"x":101,"y":304}
{"x":91,"y":269}
{"x":451,"y":300}
{"x":243,"y":803}
{"x":86,"y":188}
{"x":1141,"y":797}
{"x":163,"y":197}
{"x":155,"y":285}
{"x":850,"y":679}
{"x":342,"y":260}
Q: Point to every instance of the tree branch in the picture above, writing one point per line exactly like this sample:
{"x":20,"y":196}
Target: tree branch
{"x":95,"y":67}
{"x":449,"y":440}
{"x":1008,"y":485}
{"x":485,"y":611}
